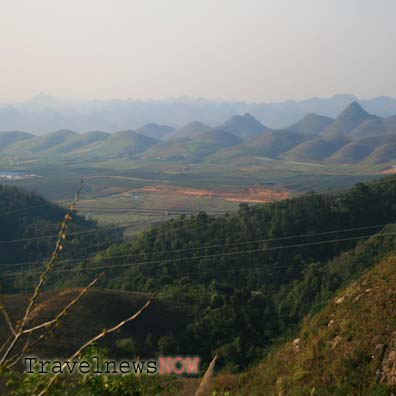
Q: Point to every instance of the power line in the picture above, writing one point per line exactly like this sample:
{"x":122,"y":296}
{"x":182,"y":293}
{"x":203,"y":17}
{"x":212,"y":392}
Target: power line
{"x":121,"y":225}
{"x":91,"y":231}
{"x":145,"y":210}
{"x":207,"y":246}
{"x":30,"y":208}
{"x":199,"y":257}
{"x":85,"y":247}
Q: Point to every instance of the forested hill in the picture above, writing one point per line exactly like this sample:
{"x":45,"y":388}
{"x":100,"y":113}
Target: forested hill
{"x":29,"y":225}
{"x":258,"y":243}
{"x":348,"y":348}
{"x":245,"y":278}
{"x":240,"y":281}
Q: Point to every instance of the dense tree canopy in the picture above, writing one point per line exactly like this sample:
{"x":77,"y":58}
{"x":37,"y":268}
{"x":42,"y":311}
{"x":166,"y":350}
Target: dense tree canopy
{"x":240,"y":280}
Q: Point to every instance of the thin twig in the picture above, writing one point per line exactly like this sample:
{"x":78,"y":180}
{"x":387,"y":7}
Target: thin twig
{"x":43,"y":277}
{"x":5,"y":343}
{"x":54,"y":256}
{"x":6,"y":316}
{"x":65,"y":309}
{"x":14,"y":360}
{"x":92,"y":341}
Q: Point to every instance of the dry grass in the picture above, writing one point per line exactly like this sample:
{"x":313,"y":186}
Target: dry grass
{"x":349,"y":347}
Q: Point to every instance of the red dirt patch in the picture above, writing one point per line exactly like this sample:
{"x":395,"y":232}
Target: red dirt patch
{"x":389,"y":171}
{"x":254,"y":194}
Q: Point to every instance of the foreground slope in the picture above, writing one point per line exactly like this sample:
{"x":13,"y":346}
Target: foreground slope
{"x":348,"y":348}
{"x":88,"y":318}
{"x":236,"y":274}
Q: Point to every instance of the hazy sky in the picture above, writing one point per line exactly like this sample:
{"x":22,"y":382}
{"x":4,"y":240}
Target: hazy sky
{"x":255,"y":50}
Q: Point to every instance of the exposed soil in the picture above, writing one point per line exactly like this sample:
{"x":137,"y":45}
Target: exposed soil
{"x":389,"y":171}
{"x":254,"y":194}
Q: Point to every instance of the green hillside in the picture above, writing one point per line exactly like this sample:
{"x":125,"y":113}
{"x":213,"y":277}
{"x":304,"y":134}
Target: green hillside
{"x":269,"y":144}
{"x":95,"y":143}
{"x":232,"y":270}
{"x":193,"y":149}
{"x":340,"y":141}
{"x":8,"y":138}
{"x":351,"y":153}
{"x":237,"y":284}
{"x":311,"y":124}
{"x":190,"y":130}
{"x":370,"y":127}
{"x":314,"y":138}
{"x":357,"y":150}
{"x":41,"y":143}
{"x":317,"y":149}
{"x":245,"y":127}
{"x":219,"y":138}
{"x":29,"y":226}
{"x":161,"y":320}
{"x":348,"y":348}
{"x":350,"y":118}
{"x":390,"y":124}
{"x":170,"y":150}
{"x":384,"y":153}
{"x":124,"y":143}
{"x":79,"y":142}
{"x":155,"y":131}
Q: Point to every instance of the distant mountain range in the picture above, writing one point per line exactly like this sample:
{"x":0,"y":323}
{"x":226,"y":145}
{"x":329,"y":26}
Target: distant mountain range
{"x":45,"y":113}
{"x":354,"y":136}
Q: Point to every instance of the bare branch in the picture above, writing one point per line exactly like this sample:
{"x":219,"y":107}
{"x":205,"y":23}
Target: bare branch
{"x":65,"y":309}
{"x":28,"y":346}
{"x":10,"y":348}
{"x":15,"y":359}
{"x":6,"y":316}
{"x":43,"y":277}
{"x":93,"y":340}
{"x":54,"y":256}
{"x":5,"y":343}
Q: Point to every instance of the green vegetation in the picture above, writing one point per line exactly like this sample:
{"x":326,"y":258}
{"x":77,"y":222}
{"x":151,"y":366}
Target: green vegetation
{"x":42,"y":143}
{"x":233,"y":272}
{"x":29,"y":225}
{"x":155,"y":131}
{"x":93,"y":384}
{"x":316,"y":149}
{"x":239,"y":284}
{"x":311,"y":124}
{"x":191,"y":130}
{"x":348,"y":348}
{"x":244,"y":127}
{"x":8,"y":138}
{"x":313,"y":138}
{"x":88,"y":317}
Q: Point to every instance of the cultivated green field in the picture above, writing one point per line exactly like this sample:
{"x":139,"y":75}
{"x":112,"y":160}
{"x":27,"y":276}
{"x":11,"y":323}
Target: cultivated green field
{"x":119,"y":190}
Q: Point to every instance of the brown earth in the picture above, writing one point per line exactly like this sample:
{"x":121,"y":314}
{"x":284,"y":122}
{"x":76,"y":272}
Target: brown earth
{"x":98,"y":309}
{"x":389,"y":171}
{"x":254,"y":194}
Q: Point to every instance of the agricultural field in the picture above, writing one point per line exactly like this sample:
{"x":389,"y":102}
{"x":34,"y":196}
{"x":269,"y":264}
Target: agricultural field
{"x":144,"y":193}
